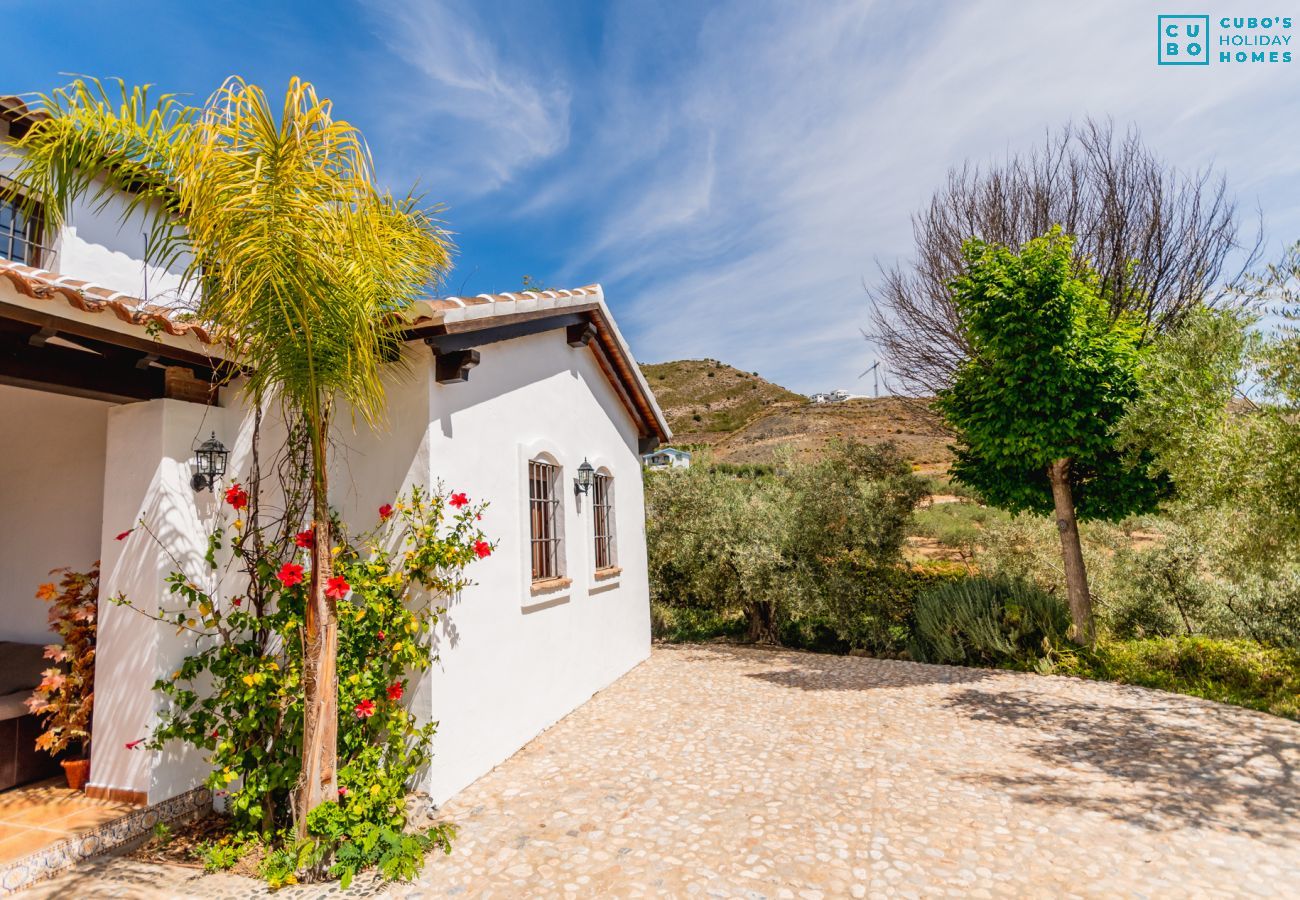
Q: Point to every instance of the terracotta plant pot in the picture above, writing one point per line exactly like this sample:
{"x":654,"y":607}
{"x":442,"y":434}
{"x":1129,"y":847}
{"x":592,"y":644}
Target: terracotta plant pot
{"x":77,"y":771}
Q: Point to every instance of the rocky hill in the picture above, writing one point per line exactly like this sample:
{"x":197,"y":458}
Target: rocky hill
{"x":743,"y":418}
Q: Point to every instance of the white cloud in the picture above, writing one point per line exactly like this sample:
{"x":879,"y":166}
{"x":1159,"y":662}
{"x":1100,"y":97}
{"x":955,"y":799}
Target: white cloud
{"x":826,"y":130}
{"x":735,"y":171}
{"x":480,"y":115}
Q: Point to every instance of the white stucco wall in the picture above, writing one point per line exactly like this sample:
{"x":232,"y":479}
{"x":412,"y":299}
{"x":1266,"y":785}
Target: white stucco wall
{"x":147,"y":476}
{"x":97,"y":244}
{"x":510,"y":663}
{"x":51,"y":495}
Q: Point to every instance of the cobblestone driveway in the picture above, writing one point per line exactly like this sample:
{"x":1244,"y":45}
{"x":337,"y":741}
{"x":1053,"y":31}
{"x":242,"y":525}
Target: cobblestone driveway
{"x":736,"y":772}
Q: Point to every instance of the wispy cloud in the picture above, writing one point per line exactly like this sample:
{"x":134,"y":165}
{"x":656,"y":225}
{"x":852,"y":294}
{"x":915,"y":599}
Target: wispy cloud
{"x":477,"y":115}
{"x":734,"y":172}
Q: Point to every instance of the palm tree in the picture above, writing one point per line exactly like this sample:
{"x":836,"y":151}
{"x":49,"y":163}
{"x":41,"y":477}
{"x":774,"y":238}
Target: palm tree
{"x":294,"y":254}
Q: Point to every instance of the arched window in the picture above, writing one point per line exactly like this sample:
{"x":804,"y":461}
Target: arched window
{"x":602,"y":508}
{"x":544,"y":523}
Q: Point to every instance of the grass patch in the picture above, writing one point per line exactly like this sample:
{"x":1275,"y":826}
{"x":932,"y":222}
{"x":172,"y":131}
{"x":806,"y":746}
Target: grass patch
{"x":1239,"y":672}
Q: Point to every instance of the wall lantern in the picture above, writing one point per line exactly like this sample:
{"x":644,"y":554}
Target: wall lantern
{"x":209,"y":463}
{"x":582,"y":483}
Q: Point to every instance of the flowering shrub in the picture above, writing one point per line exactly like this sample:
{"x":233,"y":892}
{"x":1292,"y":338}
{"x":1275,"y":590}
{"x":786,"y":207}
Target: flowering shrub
{"x":239,"y":697}
{"x":65,"y":698}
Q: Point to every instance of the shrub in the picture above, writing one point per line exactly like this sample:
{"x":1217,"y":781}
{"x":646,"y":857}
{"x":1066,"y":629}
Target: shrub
{"x":238,"y":696}
{"x":988,"y":621}
{"x":806,"y":541}
{"x":65,"y":698}
{"x":1240,"y":672}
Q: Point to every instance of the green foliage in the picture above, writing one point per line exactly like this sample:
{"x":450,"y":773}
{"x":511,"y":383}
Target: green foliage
{"x":1244,"y":673}
{"x":357,"y":843}
{"x":1049,"y":375}
{"x":1234,"y":457}
{"x":804,"y":541}
{"x":1176,"y":574}
{"x":988,"y":621}
{"x":238,"y":697}
{"x":685,"y":622}
{"x":958,"y":526}
{"x":222,"y":854}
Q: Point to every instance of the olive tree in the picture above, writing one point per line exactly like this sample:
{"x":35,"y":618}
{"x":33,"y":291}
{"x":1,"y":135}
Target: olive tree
{"x":800,"y":542}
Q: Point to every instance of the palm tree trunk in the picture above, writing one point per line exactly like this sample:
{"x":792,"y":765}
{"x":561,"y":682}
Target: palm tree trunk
{"x":1076,"y":576}
{"x":320,"y":654}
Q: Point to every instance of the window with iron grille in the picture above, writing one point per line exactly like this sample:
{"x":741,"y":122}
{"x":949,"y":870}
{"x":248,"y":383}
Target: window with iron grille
{"x":602,"y":508}
{"x":19,"y":232}
{"x":543,"y":514}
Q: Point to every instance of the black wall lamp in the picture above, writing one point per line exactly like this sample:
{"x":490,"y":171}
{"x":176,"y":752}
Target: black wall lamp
{"x":209,"y":463}
{"x":582,"y":483}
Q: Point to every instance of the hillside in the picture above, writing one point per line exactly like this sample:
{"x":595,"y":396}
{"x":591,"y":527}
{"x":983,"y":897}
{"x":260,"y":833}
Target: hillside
{"x":744,"y":418}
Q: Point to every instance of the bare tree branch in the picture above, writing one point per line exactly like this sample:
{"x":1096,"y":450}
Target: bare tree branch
{"x":1159,"y":238}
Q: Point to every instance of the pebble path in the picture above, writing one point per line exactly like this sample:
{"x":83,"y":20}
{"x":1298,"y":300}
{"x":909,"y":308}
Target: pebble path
{"x":715,"y":771}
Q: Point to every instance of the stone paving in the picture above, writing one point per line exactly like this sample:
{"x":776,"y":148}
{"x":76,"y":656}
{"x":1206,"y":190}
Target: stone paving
{"x":736,"y":772}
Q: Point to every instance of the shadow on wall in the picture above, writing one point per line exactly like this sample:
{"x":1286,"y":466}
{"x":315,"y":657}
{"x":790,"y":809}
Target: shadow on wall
{"x":1180,"y":761}
{"x":133,"y":649}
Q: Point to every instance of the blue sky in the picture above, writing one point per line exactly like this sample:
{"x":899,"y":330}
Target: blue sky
{"x":732,"y":172}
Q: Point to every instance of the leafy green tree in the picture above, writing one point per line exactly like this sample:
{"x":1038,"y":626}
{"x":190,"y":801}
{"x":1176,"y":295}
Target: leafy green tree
{"x":1226,"y":450}
{"x":302,"y":263}
{"x":1049,"y":375}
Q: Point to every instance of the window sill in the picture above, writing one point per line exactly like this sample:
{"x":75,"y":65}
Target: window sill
{"x":609,"y":572}
{"x":549,"y":585}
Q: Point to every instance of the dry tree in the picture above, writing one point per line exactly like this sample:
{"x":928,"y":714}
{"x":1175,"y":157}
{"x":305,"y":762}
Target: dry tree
{"x":1159,"y":238}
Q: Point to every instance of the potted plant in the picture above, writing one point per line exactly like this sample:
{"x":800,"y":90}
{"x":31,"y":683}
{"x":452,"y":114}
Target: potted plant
{"x":66,"y":695}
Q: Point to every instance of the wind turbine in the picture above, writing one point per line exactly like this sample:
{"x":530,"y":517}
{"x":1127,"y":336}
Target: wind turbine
{"x":874,"y":366}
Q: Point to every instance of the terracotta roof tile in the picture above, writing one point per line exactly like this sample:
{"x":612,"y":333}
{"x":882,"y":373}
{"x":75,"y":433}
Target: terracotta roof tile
{"x":94,"y":298}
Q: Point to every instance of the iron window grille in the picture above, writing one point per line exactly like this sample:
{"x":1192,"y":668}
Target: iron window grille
{"x":543,"y":509}
{"x":602,"y":508}
{"x":19,"y":233}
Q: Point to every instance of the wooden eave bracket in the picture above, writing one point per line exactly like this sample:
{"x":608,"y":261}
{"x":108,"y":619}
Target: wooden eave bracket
{"x":453,"y":367}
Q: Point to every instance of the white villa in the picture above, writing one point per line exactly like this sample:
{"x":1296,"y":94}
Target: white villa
{"x":667,"y":458}
{"x":106,"y":397}
{"x":836,"y":396}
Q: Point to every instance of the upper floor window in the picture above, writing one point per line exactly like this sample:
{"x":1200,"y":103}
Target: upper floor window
{"x":544,"y":519}
{"x":602,"y":508}
{"x":19,"y":233}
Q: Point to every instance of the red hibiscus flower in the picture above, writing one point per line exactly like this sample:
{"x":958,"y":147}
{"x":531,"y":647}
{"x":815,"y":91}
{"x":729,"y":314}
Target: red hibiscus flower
{"x":385,"y":511}
{"x":306,"y":539}
{"x":238,"y":601}
{"x":395,"y":691}
{"x":458,"y":500}
{"x":131,"y":745}
{"x":290,"y":574}
{"x":237,"y":497}
{"x":482,"y":549}
{"x":123,"y":535}
{"x":343,"y":792}
{"x":337,"y":588}
{"x":381,"y":635}
{"x":365,"y":709}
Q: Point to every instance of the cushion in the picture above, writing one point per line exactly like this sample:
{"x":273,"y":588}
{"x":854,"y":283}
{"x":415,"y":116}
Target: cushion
{"x":21,"y":666}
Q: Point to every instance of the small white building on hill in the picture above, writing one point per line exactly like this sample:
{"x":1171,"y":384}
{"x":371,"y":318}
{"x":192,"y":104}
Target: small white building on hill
{"x":667,"y":458}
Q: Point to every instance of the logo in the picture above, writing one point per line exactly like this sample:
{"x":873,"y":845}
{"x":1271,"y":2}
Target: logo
{"x":1183,"y":41}
{"x":1186,"y":40}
